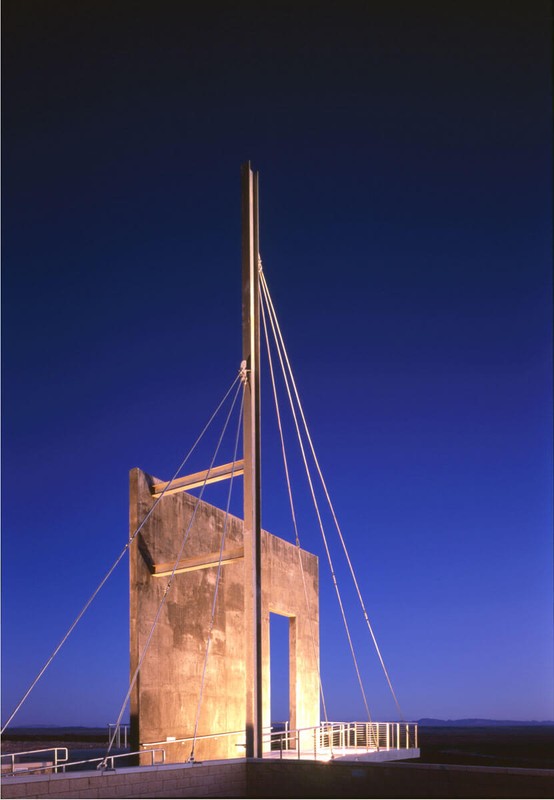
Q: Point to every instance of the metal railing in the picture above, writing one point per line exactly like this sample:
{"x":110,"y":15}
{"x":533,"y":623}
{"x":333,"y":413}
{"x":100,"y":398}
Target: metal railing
{"x":103,"y":760}
{"x":332,"y":737}
{"x":323,"y":740}
{"x":118,"y":730}
{"x":59,"y":761}
{"x":201,"y":737}
{"x":279,"y":738}
{"x":371,"y":735}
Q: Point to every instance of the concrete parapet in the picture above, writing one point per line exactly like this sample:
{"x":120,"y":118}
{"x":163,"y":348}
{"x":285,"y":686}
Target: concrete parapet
{"x":214,"y":779}
{"x":269,"y":779}
{"x":343,"y":779}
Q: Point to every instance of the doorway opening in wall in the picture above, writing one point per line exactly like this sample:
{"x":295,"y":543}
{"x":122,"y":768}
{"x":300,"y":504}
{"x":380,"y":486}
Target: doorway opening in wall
{"x":279,"y":670}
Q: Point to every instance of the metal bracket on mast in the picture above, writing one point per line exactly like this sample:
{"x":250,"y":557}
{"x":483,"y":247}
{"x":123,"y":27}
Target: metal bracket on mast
{"x":250,"y":368}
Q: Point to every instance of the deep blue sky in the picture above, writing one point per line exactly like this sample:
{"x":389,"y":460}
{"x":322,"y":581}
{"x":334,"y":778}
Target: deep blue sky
{"x":405,"y":160}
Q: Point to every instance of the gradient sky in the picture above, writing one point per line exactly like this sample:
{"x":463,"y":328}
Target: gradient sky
{"x":405,"y":159}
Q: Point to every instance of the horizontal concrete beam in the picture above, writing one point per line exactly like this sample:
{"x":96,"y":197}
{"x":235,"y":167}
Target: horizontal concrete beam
{"x":200,"y":562}
{"x":213,"y":475}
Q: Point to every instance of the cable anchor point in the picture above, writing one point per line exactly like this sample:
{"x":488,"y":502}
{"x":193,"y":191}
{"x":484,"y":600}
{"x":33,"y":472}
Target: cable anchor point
{"x":243,"y":372}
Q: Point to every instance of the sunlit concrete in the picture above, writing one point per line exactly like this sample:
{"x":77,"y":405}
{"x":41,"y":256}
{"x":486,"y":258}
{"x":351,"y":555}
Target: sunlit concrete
{"x":164,"y":701}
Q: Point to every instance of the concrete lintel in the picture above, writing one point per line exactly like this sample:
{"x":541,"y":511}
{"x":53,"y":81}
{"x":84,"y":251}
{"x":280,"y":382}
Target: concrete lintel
{"x":200,"y":562}
{"x":207,"y":476}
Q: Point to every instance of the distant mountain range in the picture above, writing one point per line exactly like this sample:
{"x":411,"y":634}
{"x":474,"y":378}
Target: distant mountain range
{"x":54,"y":729}
{"x":430,"y":722}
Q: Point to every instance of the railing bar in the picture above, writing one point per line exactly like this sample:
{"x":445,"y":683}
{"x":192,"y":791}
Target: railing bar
{"x":93,"y":760}
{"x":33,"y":752}
{"x":347,"y":734}
{"x":203,"y":736}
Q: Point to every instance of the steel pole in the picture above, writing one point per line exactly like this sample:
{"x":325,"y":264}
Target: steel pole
{"x":251,"y":422}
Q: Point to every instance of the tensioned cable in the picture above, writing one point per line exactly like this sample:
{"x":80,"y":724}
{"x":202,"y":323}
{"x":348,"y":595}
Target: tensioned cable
{"x":280,"y":427}
{"x":169,"y":583}
{"x":216,"y":590}
{"x":291,"y":502}
{"x":353,"y":574}
{"x":116,"y":562}
{"x":316,"y":505}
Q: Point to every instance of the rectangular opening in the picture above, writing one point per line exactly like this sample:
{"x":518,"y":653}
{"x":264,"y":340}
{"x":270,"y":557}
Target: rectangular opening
{"x":279,"y":671}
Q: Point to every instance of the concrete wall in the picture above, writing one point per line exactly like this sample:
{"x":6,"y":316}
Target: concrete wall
{"x":292,"y":592}
{"x":215,"y":779}
{"x":393,"y":780}
{"x":165,"y":699}
{"x":260,"y":779}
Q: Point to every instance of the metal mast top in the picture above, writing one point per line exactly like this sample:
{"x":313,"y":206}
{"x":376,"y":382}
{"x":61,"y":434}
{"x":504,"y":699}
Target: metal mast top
{"x":252,"y":482}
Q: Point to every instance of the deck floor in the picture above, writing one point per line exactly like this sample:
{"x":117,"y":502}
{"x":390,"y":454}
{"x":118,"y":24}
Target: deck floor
{"x":343,"y":754}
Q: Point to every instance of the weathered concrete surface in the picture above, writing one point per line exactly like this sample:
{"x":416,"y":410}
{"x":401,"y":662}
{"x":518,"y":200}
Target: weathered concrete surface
{"x":293,"y":592}
{"x":165,"y":698}
{"x":259,"y":779}
{"x":213,"y":779}
{"x":392,"y":780}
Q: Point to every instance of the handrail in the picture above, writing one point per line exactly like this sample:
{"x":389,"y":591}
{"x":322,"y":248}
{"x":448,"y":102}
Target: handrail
{"x":337,"y":735}
{"x":126,"y":755}
{"x":378,"y":735}
{"x":191,"y":738}
{"x":330,"y":736}
{"x":125,"y":726}
{"x":101,"y":760}
{"x":56,"y":763}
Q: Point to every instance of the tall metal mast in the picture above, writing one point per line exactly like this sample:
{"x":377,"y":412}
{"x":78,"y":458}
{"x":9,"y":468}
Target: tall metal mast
{"x":251,"y":421}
